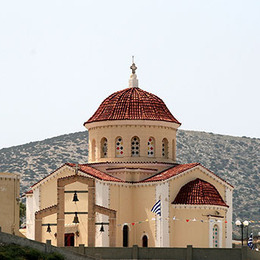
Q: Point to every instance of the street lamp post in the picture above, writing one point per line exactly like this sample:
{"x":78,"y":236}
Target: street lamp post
{"x":242,"y":225}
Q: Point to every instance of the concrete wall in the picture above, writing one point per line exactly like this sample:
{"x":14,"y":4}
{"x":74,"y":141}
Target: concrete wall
{"x":188,"y":253}
{"x":42,"y":247}
{"x":84,"y":253}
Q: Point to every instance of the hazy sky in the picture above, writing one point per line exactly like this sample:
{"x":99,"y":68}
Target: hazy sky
{"x":60,"y":59}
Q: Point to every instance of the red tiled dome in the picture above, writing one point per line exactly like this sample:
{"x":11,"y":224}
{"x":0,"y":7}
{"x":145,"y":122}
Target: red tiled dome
{"x":199,"y":192}
{"x":133,"y":104}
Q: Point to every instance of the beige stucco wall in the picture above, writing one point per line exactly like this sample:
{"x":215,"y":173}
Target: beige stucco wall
{"x":9,"y":201}
{"x":133,"y":204}
{"x":193,"y":233}
{"x":128,"y":129}
{"x":48,"y":197}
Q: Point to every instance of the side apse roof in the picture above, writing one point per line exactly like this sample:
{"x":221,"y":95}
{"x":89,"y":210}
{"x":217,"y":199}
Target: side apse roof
{"x":199,"y":192}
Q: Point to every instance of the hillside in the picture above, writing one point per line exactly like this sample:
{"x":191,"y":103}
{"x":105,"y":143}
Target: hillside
{"x":235,"y":159}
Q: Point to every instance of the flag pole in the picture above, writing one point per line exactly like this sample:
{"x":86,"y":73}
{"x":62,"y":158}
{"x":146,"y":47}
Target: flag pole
{"x":158,"y":211}
{"x":160,"y":219}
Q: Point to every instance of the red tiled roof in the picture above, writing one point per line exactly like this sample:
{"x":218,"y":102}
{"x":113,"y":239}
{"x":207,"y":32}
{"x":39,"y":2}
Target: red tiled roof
{"x":175,"y":170}
{"x":87,"y":169}
{"x":94,"y":172}
{"x":199,"y":192}
{"x":133,"y":104}
{"x":164,"y":175}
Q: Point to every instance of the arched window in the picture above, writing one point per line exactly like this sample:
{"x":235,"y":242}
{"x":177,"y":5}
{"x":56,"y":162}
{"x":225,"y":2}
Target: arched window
{"x":145,"y":241}
{"x":151,"y":147}
{"x":103,"y":147}
{"x":215,"y":236}
{"x":135,"y":147}
{"x":165,"y":148}
{"x":173,"y":150}
{"x":125,"y":236}
{"x":93,"y":150}
{"x":119,"y":147}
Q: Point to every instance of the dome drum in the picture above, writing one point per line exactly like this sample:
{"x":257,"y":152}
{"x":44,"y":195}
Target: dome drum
{"x":132,"y":143}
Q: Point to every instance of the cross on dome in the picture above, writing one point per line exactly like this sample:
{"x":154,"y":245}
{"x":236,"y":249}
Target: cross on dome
{"x":133,"y":67}
{"x":133,"y":81}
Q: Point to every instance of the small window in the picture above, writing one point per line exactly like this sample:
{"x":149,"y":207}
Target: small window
{"x":215,"y":236}
{"x":151,"y":147}
{"x":125,"y":236}
{"x":135,"y":146}
{"x":104,"y":148}
{"x":119,"y":147}
{"x":165,"y":148}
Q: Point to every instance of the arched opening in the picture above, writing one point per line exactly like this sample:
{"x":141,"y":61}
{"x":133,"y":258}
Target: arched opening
{"x":93,"y":150}
{"x":125,"y":235}
{"x":151,"y":147}
{"x":103,"y":148}
{"x":173,"y":150}
{"x":145,"y":241}
{"x":119,"y":147}
{"x":135,"y":146}
{"x":215,"y":236}
{"x":165,"y":148}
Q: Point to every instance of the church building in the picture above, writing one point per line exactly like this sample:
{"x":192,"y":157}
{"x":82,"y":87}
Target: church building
{"x":132,"y":169}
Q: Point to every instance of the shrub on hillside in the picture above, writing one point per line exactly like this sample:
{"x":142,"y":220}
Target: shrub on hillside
{"x":11,"y":252}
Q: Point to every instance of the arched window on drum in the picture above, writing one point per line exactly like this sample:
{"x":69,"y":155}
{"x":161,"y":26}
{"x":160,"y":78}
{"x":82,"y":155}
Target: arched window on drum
{"x":103,"y":147}
{"x":165,"y":145}
{"x":93,"y":150}
{"x":173,"y":150}
{"x":151,"y":147}
{"x":135,"y":147}
{"x":215,"y":236}
{"x":119,"y":147}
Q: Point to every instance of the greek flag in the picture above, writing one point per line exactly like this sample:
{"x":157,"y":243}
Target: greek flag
{"x":157,"y":208}
{"x":250,"y":241}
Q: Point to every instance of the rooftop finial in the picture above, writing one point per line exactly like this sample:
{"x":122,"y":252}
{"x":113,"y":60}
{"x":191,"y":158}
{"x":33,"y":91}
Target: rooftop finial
{"x":133,"y":81}
{"x":133,"y":67}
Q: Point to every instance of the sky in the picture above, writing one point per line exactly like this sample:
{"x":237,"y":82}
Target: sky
{"x":60,"y":59}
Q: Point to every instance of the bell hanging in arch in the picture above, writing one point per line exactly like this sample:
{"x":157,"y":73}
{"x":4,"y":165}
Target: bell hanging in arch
{"x":102,"y":228}
{"x":48,"y":228}
{"x":75,"y":197}
{"x":76,"y":219}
